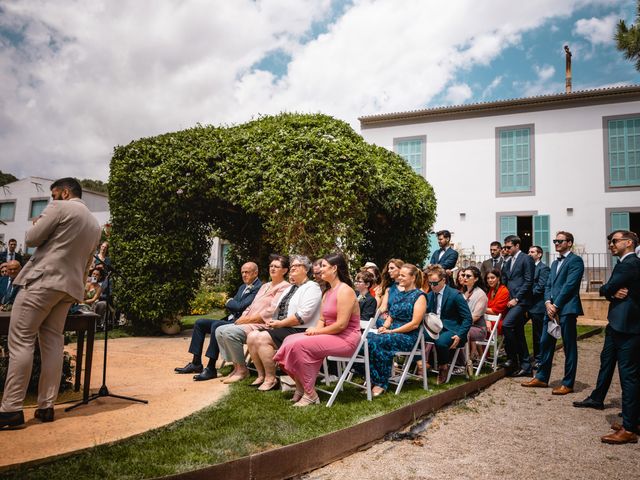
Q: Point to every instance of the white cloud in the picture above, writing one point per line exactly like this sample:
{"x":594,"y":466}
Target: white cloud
{"x":495,"y":83}
{"x":598,"y":31}
{"x":545,"y":72}
{"x":91,"y":75}
{"x":458,"y":93}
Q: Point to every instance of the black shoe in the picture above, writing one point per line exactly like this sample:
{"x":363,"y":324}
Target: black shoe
{"x":206,"y":374}
{"x":189,"y":368}
{"x":44,"y":414}
{"x":589,"y":403}
{"x":521,"y":373}
{"x":11,"y":420}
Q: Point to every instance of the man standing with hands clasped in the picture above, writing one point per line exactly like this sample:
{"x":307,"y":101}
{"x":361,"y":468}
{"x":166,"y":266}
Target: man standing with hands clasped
{"x":65,"y":234}
{"x":622,"y":339}
{"x":562,"y":302}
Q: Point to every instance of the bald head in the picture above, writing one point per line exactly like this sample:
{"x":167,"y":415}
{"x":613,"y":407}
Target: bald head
{"x":249,"y":272}
{"x":13,"y":268}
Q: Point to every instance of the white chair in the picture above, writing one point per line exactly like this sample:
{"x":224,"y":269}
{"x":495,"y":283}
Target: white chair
{"x":453,"y":360}
{"x":345,"y":364}
{"x":417,"y":350}
{"x":493,"y":342}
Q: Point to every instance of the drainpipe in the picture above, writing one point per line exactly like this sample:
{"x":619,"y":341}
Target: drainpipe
{"x":567,"y":84}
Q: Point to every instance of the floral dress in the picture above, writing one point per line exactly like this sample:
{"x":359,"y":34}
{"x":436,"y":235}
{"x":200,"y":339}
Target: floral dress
{"x":383,"y":347}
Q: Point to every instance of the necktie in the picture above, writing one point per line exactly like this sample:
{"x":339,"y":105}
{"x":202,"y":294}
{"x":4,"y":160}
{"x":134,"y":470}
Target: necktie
{"x":495,"y":262}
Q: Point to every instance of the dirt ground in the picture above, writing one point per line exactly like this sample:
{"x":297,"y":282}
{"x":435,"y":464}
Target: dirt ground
{"x":137,"y":367}
{"x":507,"y":431}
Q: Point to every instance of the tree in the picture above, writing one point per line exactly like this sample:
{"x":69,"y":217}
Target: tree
{"x":628,"y":39}
{"x":94,"y":185}
{"x":289,"y":183}
{"x":6,"y":178}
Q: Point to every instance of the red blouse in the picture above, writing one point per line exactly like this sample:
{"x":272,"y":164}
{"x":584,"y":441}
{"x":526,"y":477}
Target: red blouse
{"x":498,"y":301}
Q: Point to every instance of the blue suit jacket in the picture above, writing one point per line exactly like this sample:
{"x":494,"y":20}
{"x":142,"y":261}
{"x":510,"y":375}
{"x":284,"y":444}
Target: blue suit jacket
{"x":241,"y":301}
{"x":454,"y":312}
{"x":540,"y":277}
{"x":563,"y":287}
{"x":448,"y":260}
{"x":4,"y":298}
{"x":624,"y":315}
{"x":519,"y":280}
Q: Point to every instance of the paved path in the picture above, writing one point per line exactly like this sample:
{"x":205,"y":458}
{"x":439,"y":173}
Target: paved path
{"x":507,"y":431}
{"x":140,"y":367}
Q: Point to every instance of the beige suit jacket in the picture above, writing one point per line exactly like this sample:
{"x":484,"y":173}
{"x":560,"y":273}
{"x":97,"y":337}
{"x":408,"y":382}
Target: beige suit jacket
{"x":66,"y":235}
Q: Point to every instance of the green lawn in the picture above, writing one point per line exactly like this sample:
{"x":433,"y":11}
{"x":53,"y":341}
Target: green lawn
{"x":245,"y":421}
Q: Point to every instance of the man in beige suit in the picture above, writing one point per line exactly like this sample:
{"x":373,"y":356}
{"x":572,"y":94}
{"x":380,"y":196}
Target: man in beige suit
{"x":65,"y":234}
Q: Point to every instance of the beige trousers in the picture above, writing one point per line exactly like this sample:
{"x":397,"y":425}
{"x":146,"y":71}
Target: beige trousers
{"x":37,"y":312}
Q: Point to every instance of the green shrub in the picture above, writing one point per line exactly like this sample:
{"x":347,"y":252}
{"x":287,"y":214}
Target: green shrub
{"x":207,"y":299}
{"x":289,"y":183}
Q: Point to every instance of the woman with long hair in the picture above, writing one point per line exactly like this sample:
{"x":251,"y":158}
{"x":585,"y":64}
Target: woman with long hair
{"x":477,"y":300}
{"x":497,"y":296}
{"x":388,"y":285}
{"x":336,"y":333}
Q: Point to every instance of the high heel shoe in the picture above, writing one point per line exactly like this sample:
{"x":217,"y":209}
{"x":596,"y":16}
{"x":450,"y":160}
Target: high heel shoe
{"x":296,"y":396}
{"x":306,"y":401}
{"x":265,"y":387}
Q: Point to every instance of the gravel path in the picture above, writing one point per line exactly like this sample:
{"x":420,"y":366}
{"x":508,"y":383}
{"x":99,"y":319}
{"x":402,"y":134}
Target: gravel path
{"x":507,"y":431}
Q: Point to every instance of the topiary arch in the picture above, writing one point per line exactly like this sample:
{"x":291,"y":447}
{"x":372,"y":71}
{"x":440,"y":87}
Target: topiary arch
{"x":288,"y":183}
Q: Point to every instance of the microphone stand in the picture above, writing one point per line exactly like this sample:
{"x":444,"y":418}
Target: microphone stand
{"x":104,"y":390}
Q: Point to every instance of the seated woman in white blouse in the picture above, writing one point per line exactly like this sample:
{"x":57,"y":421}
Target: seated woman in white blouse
{"x":297,"y":310}
{"x":477,"y":300}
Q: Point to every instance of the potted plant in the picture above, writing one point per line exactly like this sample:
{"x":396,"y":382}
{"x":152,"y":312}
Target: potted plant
{"x":171,"y":325}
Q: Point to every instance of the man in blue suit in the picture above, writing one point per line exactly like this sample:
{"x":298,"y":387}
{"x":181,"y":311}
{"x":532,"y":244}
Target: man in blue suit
{"x":454,"y":312}
{"x":203,"y":326}
{"x":8,"y":290}
{"x":517,"y":274}
{"x":562,"y":302}
{"x":10,"y":253}
{"x":622,"y":339}
{"x":537,"y":308}
{"x":445,"y":256}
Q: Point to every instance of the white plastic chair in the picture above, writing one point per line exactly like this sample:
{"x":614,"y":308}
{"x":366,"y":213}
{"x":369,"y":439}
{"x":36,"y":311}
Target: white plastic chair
{"x":417,"y":350}
{"x":493,"y":342}
{"x":345,"y":364}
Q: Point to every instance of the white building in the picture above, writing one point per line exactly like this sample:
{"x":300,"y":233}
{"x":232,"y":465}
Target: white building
{"x":23,"y":200}
{"x":529,"y":166}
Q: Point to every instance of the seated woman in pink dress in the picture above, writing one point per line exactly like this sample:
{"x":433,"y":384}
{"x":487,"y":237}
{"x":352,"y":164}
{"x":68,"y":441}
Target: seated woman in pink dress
{"x":337,"y":332}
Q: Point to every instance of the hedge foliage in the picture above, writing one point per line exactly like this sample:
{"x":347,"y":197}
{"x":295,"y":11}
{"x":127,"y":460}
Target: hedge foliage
{"x":290,"y":183}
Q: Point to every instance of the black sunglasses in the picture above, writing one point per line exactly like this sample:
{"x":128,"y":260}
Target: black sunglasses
{"x":558,"y":241}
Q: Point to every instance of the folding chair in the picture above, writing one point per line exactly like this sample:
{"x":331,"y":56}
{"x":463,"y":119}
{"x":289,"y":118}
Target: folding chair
{"x":346,"y":363}
{"x":453,"y":360}
{"x":417,"y":350}
{"x":493,"y":341}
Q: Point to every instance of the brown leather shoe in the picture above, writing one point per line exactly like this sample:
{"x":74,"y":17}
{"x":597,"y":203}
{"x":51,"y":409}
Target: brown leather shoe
{"x":561,"y":390}
{"x":443,"y":372}
{"x":534,"y":382}
{"x":617,"y":426}
{"x":619,"y":437}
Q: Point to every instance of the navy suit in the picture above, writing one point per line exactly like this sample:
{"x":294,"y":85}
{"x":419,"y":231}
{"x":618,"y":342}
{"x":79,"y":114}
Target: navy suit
{"x":456,"y":320}
{"x":563,"y":290}
{"x":537,"y":309}
{"x":235,"y":306}
{"x":3,"y":257}
{"x":448,"y":260}
{"x":622,"y":340}
{"x":519,"y":282}
{"x":7,"y":293}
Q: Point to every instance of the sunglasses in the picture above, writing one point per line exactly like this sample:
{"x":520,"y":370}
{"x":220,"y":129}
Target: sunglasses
{"x":558,"y":241}
{"x":467,"y":275}
{"x":613,"y":241}
{"x":435,"y":284}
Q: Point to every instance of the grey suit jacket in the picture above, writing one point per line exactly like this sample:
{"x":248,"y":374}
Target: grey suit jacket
{"x":66,"y":234}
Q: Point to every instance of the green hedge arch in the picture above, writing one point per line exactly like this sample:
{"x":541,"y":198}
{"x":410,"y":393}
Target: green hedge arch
{"x":287,"y":183}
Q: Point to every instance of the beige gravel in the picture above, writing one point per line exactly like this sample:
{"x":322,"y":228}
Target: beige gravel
{"x":508,"y":432}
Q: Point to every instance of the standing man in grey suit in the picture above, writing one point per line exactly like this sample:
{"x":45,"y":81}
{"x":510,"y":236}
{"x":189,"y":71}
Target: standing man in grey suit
{"x":563,"y":306}
{"x":65,"y":234}
{"x":493,"y":263}
{"x":622,"y":339}
{"x":537,"y":308}
{"x":517,"y":275}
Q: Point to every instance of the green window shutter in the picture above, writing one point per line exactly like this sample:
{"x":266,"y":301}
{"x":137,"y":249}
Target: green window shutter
{"x":37,"y":206}
{"x":508,"y":226}
{"x":620,"y":221}
{"x":412,"y":152}
{"x":541,"y":234}
{"x":7,"y":211}
{"x":515,"y":160}
{"x":624,"y":152}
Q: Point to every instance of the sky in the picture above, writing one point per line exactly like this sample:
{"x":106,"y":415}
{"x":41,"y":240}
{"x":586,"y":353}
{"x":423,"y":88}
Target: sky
{"x":78,"y":77}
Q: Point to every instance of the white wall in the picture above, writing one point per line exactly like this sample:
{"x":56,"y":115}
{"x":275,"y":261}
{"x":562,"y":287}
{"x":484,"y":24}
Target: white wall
{"x":569,"y":172}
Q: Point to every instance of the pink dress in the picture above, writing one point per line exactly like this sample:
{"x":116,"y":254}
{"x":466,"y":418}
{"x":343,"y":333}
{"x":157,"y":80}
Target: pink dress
{"x":301,"y":356}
